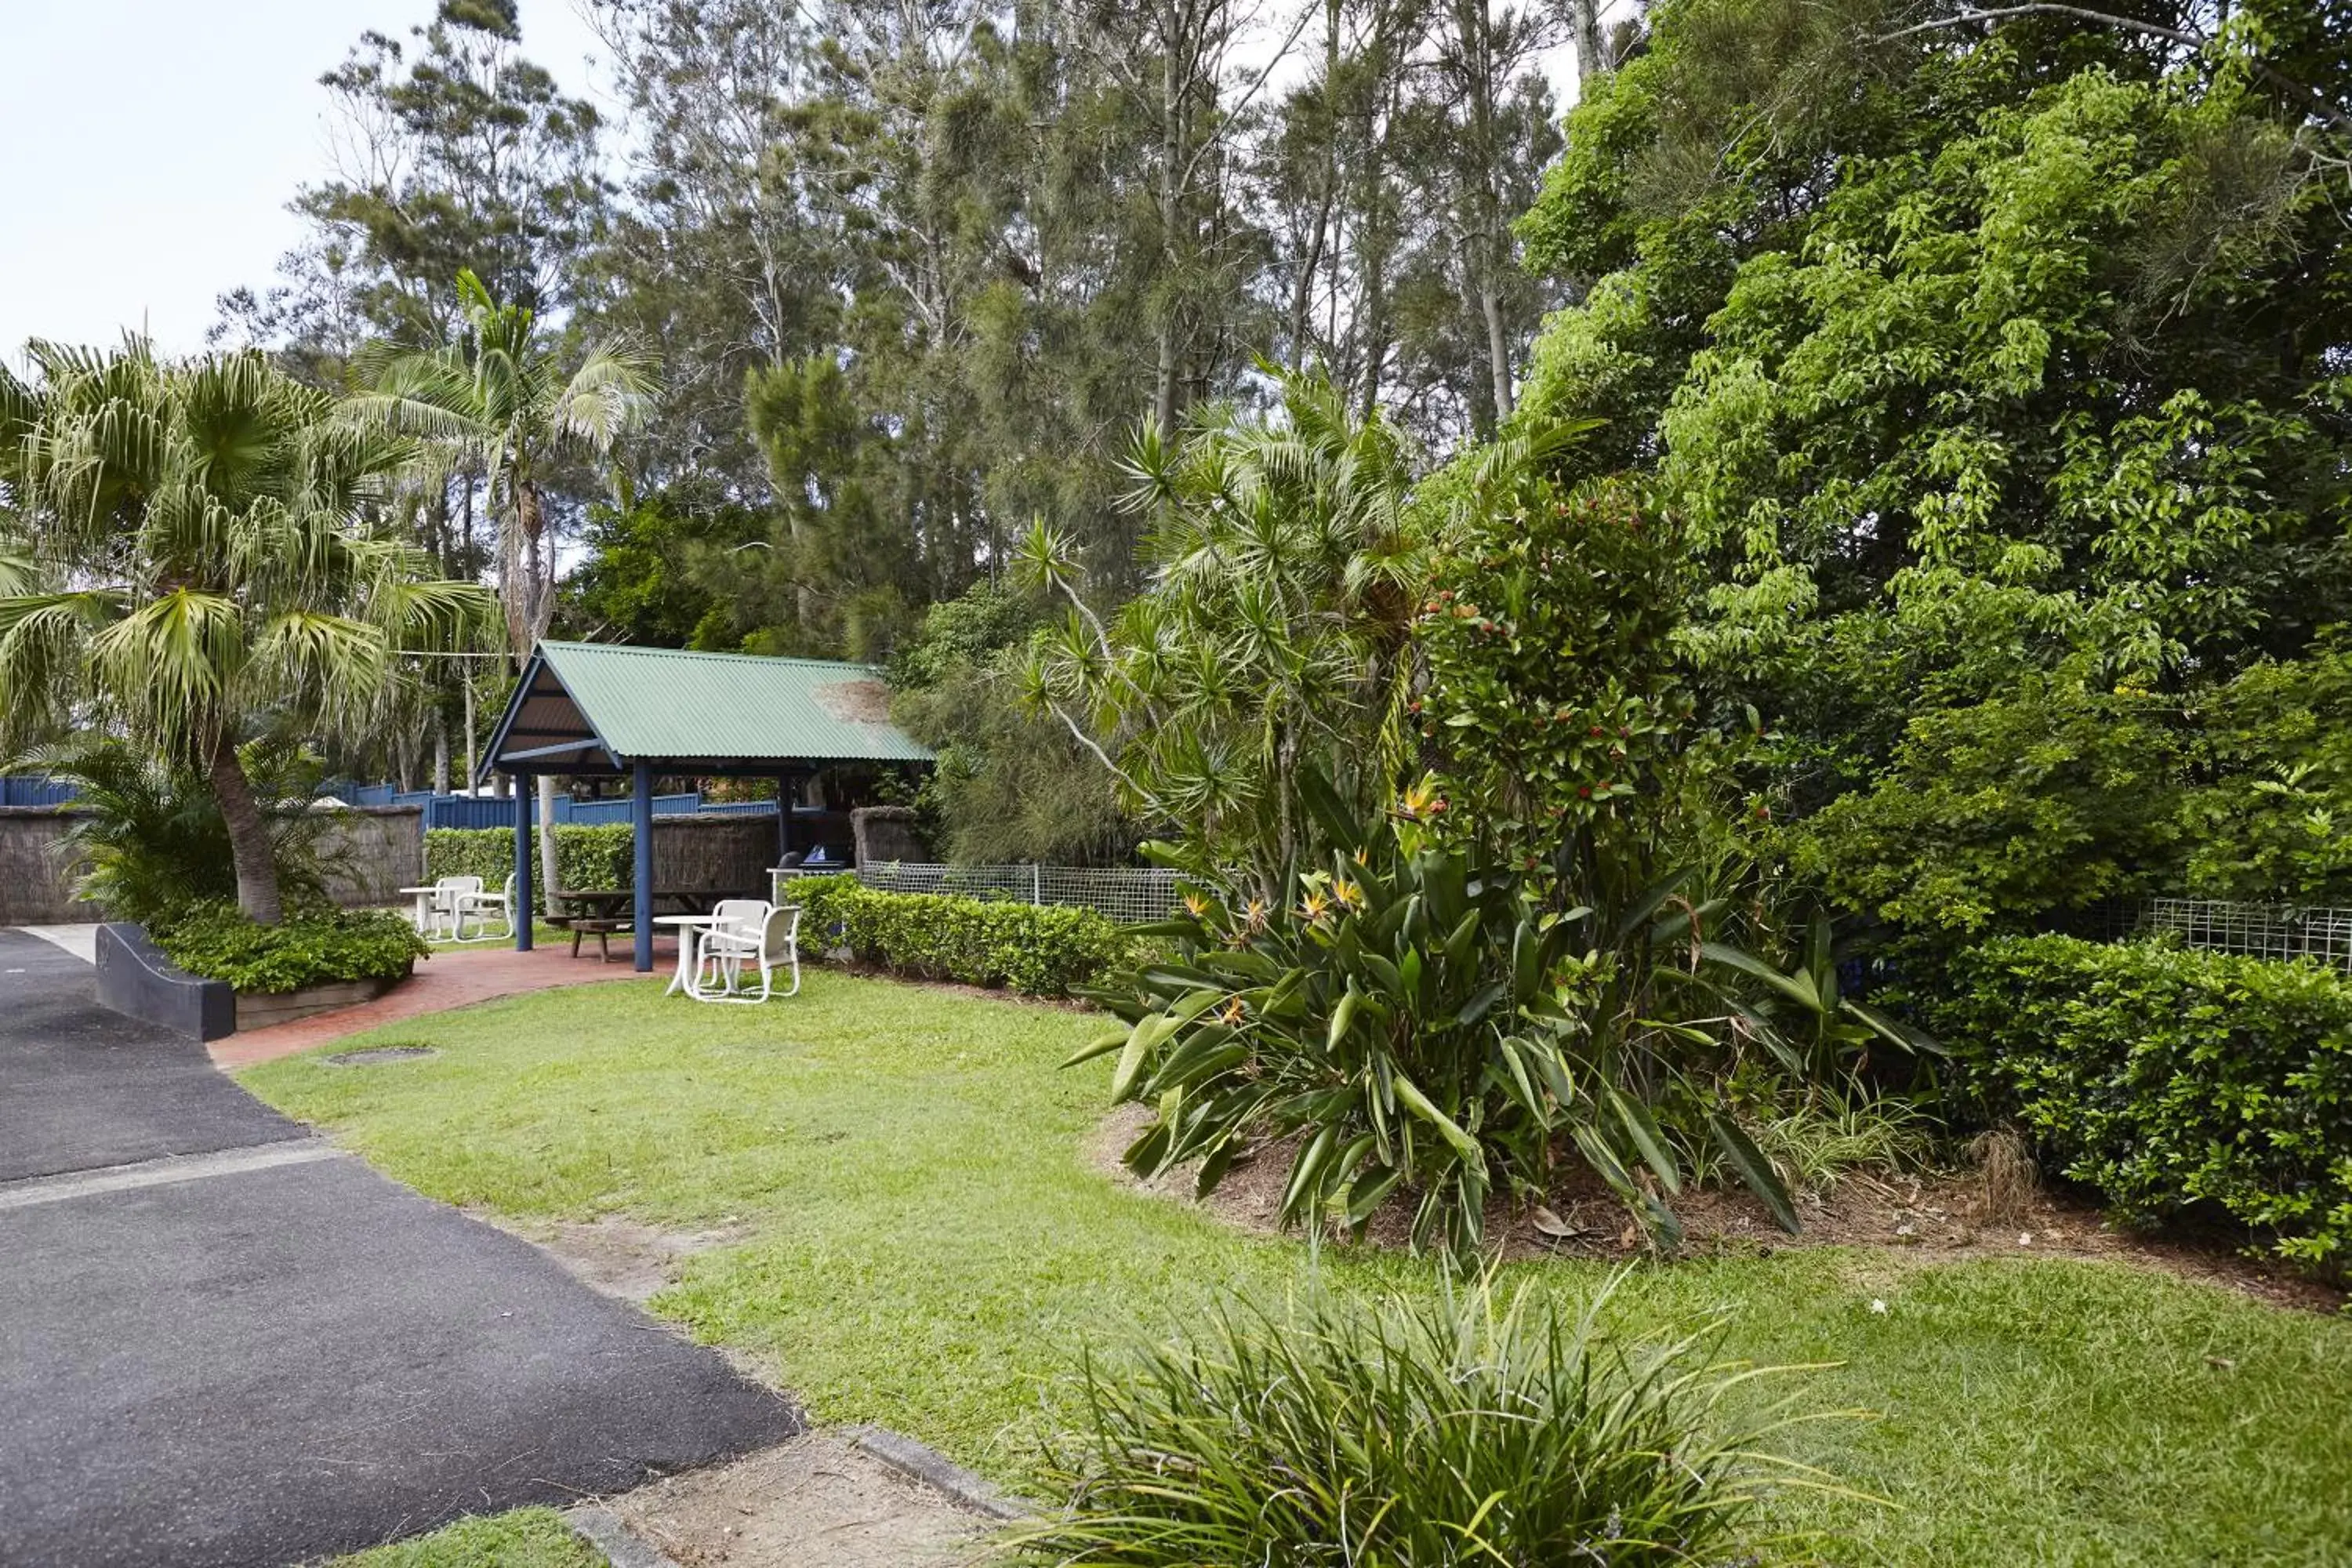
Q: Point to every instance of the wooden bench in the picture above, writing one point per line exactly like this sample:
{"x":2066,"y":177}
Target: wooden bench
{"x":602,"y":929}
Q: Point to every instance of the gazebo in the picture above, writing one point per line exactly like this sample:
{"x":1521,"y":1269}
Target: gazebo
{"x":605,"y":711}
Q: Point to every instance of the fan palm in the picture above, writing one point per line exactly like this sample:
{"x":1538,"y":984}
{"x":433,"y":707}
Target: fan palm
{"x":498,"y":402}
{"x":188,"y":559}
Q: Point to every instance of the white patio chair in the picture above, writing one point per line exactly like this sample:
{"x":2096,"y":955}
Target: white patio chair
{"x":480,"y":907}
{"x":447,"y":893}
{"x":750,"y":933}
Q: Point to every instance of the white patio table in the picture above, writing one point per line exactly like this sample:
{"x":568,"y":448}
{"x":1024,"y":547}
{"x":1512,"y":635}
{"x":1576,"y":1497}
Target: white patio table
{"x":684,"y":978}
{"x":427,"y":918}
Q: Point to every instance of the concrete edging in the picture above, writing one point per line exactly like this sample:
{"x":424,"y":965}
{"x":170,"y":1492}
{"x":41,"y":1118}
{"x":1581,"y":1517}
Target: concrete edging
{"x":601,"y":1528}
{"x":624,"y":1548}
{"x":923,"y":1463}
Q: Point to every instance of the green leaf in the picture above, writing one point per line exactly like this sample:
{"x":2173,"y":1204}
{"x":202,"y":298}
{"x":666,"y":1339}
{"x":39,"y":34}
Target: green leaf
{"x":1647,"y":903}
{"x":1421,"y":1105}
{"x":1342,"y":1017}
{"x":1644,"y":1132}
{"x":1798,"y":987}
{"x":1338,"y":823}
{"x":1754,"y":1169}
{"x":1141,"y":1042}
{"x":1102,"y":1045}
{"x":1304,"y":1171}
{"x":1484,"y":997}
{"x":1894,"y":1033}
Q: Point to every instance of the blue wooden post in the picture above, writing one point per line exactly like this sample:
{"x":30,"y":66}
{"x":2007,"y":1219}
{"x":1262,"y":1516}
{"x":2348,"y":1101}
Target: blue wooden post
{"x":524,"y":794}
{"x":641,"y":819}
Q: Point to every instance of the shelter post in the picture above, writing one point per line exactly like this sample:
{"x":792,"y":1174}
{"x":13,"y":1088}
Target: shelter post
{"x":525,"y":799}
{"x":787,"y":785}
{"x":641,"y":833}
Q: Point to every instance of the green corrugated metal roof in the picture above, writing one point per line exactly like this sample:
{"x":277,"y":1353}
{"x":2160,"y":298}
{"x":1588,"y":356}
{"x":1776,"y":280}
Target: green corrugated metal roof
{"x":660,"y":702}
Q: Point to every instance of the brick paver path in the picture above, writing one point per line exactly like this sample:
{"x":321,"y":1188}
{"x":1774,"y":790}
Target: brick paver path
{"x":448,"y":979}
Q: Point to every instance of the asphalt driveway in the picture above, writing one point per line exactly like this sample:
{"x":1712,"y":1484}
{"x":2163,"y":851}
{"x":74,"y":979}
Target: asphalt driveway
{"x":222,"y":1342}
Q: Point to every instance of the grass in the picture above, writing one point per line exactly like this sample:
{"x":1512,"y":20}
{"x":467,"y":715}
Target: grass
{"x":526,"y":1538}
{"x":927,"y":1246}
{"x":541,"y":935}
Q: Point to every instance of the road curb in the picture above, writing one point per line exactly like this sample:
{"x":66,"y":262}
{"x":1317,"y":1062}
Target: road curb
{"x":922,"y":1463}
{"x":619,"y":1546}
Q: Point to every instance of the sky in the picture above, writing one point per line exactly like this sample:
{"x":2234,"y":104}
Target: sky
{"x":156,"y":143}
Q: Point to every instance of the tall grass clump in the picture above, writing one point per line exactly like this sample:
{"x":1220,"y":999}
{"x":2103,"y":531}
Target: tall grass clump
{"x":1466,"y":1426}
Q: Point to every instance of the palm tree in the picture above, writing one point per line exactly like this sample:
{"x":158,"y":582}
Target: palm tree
{"x":187,"y":560}
{"x":497,"y":402}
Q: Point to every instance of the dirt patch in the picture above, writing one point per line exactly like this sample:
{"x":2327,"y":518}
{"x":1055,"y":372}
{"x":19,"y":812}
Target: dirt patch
{"x":813,"y":1502}
{"x":619,"y":1257}
{"x":1934,"y":1217}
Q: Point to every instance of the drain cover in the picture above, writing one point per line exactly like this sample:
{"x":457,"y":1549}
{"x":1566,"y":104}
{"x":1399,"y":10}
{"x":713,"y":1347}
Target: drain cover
{"x":374,"y":1054}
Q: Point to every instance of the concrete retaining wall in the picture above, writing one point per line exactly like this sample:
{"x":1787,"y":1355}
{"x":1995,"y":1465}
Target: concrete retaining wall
{"x":369,"y":853}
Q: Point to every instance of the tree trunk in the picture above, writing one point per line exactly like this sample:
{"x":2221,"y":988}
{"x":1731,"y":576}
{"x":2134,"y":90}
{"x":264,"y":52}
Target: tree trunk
{"x":1172,"y":90}
{"x":440,"y":753}
{"x":473,"y":740}
{"x":248,"y":836}
{"x":547,"y":840}
{"x":1499,"y":345}
{"x":1589,"y":62}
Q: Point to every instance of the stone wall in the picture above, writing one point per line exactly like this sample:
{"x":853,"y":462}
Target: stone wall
{"x":372,"y":852}
{"x":35,"y":876}
{"x":369,"y":853}
{"x":888,"y":833}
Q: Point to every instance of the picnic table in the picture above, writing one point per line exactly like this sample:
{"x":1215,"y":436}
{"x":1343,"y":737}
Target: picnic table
{"x":610,"y":910}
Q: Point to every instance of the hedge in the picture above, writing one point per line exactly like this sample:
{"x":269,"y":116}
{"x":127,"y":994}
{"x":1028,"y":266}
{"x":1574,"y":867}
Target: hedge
{"x":1042,"y":951}
{"x":2167,"y":1078}
{"x":219,"y":942}
{"x":598,"y":855}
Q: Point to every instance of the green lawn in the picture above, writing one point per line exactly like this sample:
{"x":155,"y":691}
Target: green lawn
{"x":927,"y":1248}
{"x":526,"y":1538}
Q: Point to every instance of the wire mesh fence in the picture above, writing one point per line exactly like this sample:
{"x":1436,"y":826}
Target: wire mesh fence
{"x":2250,"y":931}
{"x":1128,"y":894}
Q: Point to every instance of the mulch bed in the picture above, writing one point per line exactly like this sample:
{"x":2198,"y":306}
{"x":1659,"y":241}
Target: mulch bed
{"x":1935,"y":1217}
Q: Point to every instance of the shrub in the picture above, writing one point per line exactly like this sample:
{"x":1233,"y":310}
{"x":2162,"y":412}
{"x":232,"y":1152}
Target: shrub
{"x":1420,"y":1026}
{"x":1459,"y":1429}
{"x":1043,"y":951}
{"x":598,"y":855}
{"x":219,"y":942}
{"x":820,"y":898}
{"x":2165,"y":1078}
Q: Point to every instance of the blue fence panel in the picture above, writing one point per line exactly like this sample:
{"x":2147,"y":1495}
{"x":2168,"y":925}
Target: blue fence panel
{"x":412,"y":797}
{"x":610,"y":811}
{"x":739,"y":808}
{"x":371,"y":795}
{"x":35,"y":789}
{"x":469,"y":811}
